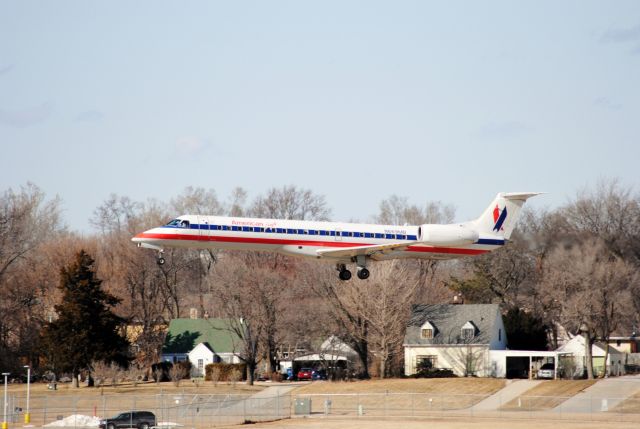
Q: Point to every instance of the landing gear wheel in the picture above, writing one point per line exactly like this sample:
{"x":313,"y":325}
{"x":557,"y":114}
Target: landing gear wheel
{"x":345,"y":275}
{"x":363,"y":274}
{"x":160,"y":259}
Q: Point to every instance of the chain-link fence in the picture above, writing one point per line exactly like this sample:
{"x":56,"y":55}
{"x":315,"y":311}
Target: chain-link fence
{"x":416,"y":405}
{"x":176,"y":409}
{"x":201,"y":411}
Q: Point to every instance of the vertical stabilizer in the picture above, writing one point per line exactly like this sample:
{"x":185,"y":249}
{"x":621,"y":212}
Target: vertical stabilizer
{"x":502,"y":214}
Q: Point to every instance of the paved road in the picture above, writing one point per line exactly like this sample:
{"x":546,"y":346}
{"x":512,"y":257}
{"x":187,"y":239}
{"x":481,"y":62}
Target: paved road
{"x":511,"y":391}
{"x":602,"y":396}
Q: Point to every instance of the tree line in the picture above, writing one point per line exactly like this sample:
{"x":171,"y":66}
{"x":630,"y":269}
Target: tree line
{"x":573,"y":267}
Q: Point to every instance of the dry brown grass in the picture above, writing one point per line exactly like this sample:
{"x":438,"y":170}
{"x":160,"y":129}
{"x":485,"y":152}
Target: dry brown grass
{"x":444,"y":386}
{"x":148,"y":388}
{"x":547,"y":395}
{"x":400,"y":397}
{"x":630,"y":405}
{"x":47,"y":405}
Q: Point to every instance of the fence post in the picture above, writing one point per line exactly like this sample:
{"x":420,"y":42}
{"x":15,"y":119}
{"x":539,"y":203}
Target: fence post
{"x":413,"y":405}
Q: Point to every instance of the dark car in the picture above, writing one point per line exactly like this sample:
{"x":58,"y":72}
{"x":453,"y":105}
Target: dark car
{"x":305,"y":374}
{"x":319,"y":374}
{"x":130,"y":419}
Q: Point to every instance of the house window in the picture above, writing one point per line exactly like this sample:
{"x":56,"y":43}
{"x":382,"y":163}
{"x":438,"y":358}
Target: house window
{"x":427,"y":333}
{"x":200,"y":366}
{"x":468,"y":333}
{"x":426,"y":362}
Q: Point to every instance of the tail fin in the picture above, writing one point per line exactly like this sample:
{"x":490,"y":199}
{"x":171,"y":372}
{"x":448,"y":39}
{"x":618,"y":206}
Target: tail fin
{"x":502,"y":214}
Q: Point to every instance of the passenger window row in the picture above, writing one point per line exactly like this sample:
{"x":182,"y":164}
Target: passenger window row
{"x":292,"y":231}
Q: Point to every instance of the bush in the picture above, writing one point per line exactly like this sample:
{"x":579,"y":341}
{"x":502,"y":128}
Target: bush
{"x":161,"y":371}
{"x":224,"y":371}
{"x":435,"y":373}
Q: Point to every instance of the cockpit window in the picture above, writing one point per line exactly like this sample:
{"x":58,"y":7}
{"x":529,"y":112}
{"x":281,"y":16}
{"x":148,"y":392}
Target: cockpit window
{"x":178,"y":223}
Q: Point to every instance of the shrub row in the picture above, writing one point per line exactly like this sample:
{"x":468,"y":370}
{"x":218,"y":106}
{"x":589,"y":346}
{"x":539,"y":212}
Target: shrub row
{"x":225,"y":371}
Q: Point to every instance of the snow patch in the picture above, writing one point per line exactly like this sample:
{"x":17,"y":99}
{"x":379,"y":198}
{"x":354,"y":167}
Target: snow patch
{"x":76,"y":420}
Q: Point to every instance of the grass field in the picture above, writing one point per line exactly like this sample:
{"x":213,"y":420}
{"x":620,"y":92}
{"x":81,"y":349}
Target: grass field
{"x":547,"y":395}
{"x":186,"y":386}
{"x":399,"y":397}
{"x":459,"y":386}
{"x":164,"y":399}
{"x":629,"y":405}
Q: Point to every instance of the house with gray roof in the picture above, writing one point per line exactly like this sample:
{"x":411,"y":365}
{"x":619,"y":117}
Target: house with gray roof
{"x":454,"y":336}
{"x":202,"y":341}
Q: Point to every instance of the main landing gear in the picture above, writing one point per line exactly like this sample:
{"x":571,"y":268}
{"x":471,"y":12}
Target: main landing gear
{"x":343,"y":273}
{"x":362,"y":273}
{"x":160,"y":258}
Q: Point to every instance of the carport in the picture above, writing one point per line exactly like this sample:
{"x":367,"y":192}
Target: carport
{"x":522,"y":363}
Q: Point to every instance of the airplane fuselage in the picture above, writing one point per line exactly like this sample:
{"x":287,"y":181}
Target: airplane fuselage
{"x":303,"y":238}
{"x":343,"y":243}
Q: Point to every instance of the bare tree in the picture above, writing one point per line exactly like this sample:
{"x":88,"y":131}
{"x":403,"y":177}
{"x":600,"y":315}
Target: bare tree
{"x":391,"y":287}
{"x":589,"y":284}
{"x":177,"y":373}
{"x":237,"y":202}
{"x":346,"y":305}
{"x":397,"y":210}
{"x":608,"y":212}
{"x":290,"y":202}
{"x":501,"y":275}
{"x":28,"y":225}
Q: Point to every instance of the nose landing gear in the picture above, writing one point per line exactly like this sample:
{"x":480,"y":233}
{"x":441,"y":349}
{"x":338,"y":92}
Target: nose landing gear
{"x":160,"y":258}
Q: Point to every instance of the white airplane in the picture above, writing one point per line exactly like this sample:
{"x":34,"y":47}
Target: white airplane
{"x":343,"y":243}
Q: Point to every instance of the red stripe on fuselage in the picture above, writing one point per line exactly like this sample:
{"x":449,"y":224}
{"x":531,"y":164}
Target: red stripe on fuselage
{"x":279,"y":241}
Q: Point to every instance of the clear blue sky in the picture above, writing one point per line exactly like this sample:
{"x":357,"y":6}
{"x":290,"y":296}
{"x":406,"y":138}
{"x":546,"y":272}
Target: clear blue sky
{"x":356,"y":100}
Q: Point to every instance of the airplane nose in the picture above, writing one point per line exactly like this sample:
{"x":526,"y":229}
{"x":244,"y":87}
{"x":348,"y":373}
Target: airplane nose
{"x":138,"y":238}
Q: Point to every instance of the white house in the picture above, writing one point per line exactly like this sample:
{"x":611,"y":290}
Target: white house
{"x":333,"y":352}
{"x":576,"y":347}
{"x":454,"y":336}
{"x":202,"y":341}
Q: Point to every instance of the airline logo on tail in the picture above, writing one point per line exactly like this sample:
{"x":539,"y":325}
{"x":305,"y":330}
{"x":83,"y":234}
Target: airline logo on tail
{"x":499,"y":218}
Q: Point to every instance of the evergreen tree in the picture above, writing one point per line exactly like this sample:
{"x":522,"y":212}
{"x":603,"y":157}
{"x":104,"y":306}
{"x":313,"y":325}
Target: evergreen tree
{"x":86,"y":329}
{"x":524,"y":330}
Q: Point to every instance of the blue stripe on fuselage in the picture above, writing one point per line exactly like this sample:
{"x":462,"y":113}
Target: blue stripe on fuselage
{"x":490,"y":241}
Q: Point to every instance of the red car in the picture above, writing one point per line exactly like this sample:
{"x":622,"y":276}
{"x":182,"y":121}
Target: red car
{"x":305,"y":374}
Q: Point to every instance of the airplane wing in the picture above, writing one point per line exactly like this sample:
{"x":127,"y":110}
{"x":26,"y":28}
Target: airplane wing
{"x":364,"y":250}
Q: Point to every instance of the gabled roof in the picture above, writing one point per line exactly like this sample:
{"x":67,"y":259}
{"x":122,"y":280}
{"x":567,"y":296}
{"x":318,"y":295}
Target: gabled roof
{"x":217,"y":334}
{"x":450,"y":318}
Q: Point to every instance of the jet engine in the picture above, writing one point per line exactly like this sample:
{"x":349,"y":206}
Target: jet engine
{"x":447,"y":235}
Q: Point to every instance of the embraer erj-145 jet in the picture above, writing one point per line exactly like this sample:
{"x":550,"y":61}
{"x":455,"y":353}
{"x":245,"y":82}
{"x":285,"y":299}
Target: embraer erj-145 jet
{"x":343,"y":243}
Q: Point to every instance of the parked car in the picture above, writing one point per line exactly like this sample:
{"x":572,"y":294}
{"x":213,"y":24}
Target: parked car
{"x":319,"y":374}
{"x":130,"y":419}
{"x":305,"y":374}
{"x":546,"y":371}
